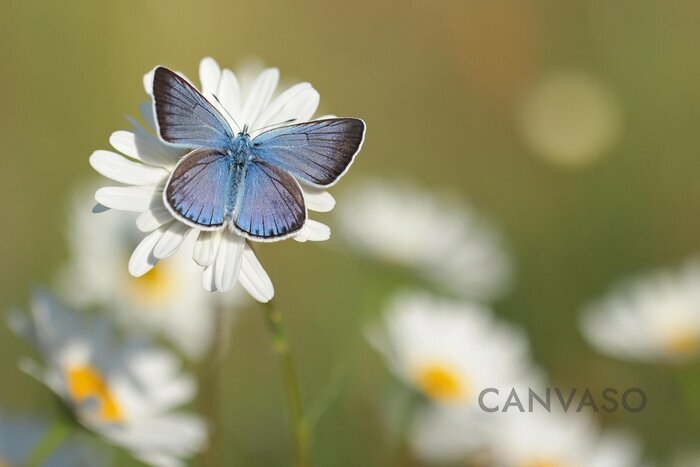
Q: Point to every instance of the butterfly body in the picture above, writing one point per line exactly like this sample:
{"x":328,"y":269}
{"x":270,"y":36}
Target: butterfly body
{"x":251,"y":186}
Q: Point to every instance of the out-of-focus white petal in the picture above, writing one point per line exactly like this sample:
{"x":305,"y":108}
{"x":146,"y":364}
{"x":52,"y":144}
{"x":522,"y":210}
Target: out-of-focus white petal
{"x":146,"y":109}
{"x":205,"y":248}
{"x":254,"y":278}
{"x":153,"y":218}
{"x":313,"y":231}
{"x":142,"y":259}
{"x":171,"y":240}
{"x":275,"y":112}
{"x":209,"y":75}
{"x":318,"y":200}
{"x":230,"y":93}
{"x":228,"y":261}
{"x":127,"y":198}
{"x":260,"y":94}
{"x":148,"y":82}
{"x":122,"y":170}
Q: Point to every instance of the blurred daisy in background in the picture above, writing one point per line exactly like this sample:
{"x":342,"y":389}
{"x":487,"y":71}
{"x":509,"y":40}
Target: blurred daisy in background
{"x":449,"y":351}
{"x":652,"y":318}
{"x":440,"y":238}
{"x":558,"y":439}
{"x":19,"y":437}
{"x":570,"y":119}
{"x":125,"y":394}
{"x":162,"y":300}
{"x":226,"y":258}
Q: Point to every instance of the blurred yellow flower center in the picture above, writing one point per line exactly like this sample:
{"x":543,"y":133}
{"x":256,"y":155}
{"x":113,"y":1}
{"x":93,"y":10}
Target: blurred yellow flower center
{"x":4,"y":463}
{"x":85,"y":382}
{"x":683,"y":343}
{"x":441,"y":382}
{"x":156,"y":288}
{"x":543,"y":463}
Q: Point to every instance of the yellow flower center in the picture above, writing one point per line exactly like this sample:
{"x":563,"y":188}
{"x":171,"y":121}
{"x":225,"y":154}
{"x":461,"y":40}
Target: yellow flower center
{"x":86,"y":382}
{"x":441,"y":383}
{"x":156,"y":289}
{"x":683,"y":343}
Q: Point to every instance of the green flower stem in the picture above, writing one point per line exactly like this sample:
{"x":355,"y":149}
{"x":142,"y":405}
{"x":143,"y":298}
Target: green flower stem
{"x":280,"y":345}
{"x":52,"y":439}
{"x":210,"y":386}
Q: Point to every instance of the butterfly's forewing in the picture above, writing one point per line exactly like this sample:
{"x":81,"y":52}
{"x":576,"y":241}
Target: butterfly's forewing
{"x":270,"y":204}
{"x":196,"y":192}
{"x":184,"y":116}
{"x":317,"y":153}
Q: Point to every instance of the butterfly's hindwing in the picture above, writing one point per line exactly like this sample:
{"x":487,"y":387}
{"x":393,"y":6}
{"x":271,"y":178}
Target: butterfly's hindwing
{"x":317,"y":153}
{"x":270,"y":204}
{"x":197,"y":191}
{"x":184,"y":116}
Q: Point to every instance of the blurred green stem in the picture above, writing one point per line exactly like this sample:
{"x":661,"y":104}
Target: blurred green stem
{"x":53,"y":438}
{"x":280,"y":345}
{"x":210,"y":383}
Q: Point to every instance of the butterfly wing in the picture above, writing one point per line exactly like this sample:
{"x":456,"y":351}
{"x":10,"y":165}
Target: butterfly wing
{"x":184,"y":116}
{"x":270,"y":205}
{"x":197,"y":190}
{"x":317,"y":153}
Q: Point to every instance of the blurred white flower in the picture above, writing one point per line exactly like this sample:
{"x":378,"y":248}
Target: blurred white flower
{"x":159,"y":301}
{"x":20,"y":435}
{"x":225,"y":257}
{"x":449,"y":351}
{"x":442,"y":239}
{"x":554,"y":439}
{"x":652,"y":318}
{"x":126,"y":393}
{"x":570,"y":119}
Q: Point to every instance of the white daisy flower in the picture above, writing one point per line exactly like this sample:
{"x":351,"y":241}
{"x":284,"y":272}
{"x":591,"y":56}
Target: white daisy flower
{"x":125,"y":394}
{"x":19,"y":437}
{"x":225,"y":257}
{"x":652,"y":318}
{"x":442,"y":239}
{"x":557,"y":439}
{"x":449,"y":351}
{"x":160,"y":301}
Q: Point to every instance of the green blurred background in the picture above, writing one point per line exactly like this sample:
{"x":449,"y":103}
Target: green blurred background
{"x":440,"y":84}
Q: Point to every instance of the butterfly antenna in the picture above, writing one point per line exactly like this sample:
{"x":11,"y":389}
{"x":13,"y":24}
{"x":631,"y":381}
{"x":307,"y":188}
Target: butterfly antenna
{"x":275,"y":124}
{"x":227,"y":113}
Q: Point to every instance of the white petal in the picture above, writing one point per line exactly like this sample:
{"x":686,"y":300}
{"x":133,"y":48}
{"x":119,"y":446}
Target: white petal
{"x":300,"y":109}
{"x":313,"y":231}
{"x":205,"y":248}
{"x":228,"y":261}
{"x":270,"y":115}
{"x":208,"y":279}
{"x":127,"y":198}
{"x":153,"y":218}
{"x":142,"y":259}
{"x":209,"y":75}
{"x":254,"y":278}
{"x":146,"y":109}
{"x":318,"y":200}
{"x":148,"y":82}
{"x":140,"y":145}
{"x":260,"y":94}
{"x":171,"y":240}
{"x":122,"y":170}
{"x":230,"y":93}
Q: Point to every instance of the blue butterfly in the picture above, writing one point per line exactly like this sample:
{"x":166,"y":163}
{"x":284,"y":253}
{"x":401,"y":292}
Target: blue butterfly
{"x":248,"y":185}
